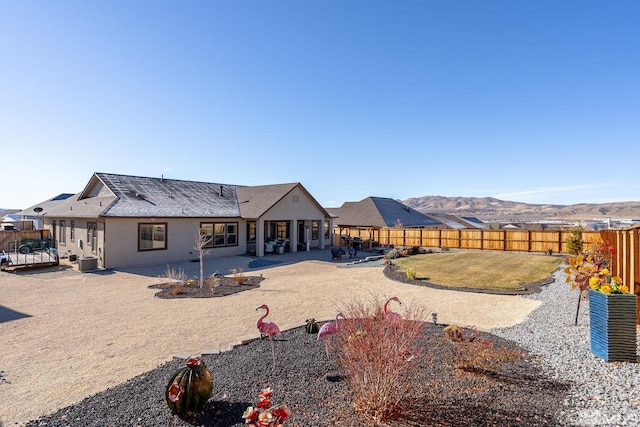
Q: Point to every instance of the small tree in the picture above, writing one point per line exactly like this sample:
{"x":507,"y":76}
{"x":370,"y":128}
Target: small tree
{"x":201,"y":242}
{"x":574,"y":241}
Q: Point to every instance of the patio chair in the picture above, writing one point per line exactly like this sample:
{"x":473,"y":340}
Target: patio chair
{"x":336,"y":253}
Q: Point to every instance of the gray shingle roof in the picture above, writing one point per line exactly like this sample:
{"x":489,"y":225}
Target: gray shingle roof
{"x":379,"y":212}
{"x":143,"y":196}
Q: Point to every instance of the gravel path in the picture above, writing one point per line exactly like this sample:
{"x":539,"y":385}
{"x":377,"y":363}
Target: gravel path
{"x":600,"y":394}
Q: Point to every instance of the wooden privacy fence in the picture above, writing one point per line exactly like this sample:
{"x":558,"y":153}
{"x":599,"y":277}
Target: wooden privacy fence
{"x":626,"y":260}
{"x":494,"y":240}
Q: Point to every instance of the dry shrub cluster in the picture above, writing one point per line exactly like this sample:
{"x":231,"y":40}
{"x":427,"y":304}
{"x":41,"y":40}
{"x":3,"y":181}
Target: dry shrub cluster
{"x":379,"y":357}
{"x":238,"y":275}
{"x":174,"y":275}
{"x":472,"y":354}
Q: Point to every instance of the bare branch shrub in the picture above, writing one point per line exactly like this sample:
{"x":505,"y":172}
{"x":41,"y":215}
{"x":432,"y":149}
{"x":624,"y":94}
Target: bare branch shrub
{"x":379,"y":356}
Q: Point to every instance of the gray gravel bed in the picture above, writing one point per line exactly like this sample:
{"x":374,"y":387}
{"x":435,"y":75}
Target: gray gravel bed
{"x":315,"y":390}
{"x":600,"y":393}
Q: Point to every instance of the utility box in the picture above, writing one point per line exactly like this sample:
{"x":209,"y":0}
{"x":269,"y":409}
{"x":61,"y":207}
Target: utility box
{"x":88,"y":263}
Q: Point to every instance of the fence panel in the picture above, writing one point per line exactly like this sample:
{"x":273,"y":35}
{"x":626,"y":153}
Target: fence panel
{"x":470,"y":239}
{"x":494,"y":240}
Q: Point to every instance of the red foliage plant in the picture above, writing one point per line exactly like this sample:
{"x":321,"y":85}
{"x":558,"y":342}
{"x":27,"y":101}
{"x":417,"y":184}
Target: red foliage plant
{"x":379,"y":355}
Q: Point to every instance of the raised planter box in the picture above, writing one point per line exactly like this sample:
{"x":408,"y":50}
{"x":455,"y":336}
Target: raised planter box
{"x":613,"y":326}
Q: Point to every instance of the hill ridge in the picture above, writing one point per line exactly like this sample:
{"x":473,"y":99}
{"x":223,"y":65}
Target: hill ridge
{"x":487,"y":208}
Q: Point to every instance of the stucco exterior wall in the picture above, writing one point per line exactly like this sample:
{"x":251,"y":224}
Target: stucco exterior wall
{"x":122,"y":241}
{"x":79,"y":245}
{"x":296,"y":205}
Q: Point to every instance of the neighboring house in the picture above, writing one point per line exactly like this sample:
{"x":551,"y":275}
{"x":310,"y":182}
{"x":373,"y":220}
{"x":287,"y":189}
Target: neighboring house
{"x":35,"y":213}
{"x":128,"y":220}
{"x":374,"y":213}
{"x":469,"y":221}
{"x":447,"y":221}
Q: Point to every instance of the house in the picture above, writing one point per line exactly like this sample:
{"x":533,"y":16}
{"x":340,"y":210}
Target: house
{"x":373,"y":213}
{"x":127,"y":220}
{"x":34,"y":213}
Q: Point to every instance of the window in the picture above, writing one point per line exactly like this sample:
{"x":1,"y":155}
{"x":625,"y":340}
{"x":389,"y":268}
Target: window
{"x":252,"y":231}
{"x":281,"y":230}
{"x":207,"y":232}
{"x":315,"y":225}
{"x":326,"y":229}
{"x":63,"y":232}
{"x":92,"y":235}
{"x":232,"y":234}
{"x":72,"y":230}
{"x":152,"y":236}
{"x":223,"y":234}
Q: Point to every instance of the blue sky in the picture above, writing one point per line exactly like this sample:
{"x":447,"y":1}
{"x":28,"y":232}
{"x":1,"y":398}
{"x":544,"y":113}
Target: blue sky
{"x":533,"y":101}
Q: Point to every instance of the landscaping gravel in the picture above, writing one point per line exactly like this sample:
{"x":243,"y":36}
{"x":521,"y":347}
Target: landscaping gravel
{"x":600,"y":393}
{"x":559,"y":382}
{"x":315,"y":390}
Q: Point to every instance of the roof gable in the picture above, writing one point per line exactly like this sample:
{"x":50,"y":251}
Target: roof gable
{"x":255,"y":201}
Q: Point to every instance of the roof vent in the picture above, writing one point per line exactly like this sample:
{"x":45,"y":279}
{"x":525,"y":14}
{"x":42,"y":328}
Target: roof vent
{"x":221,"y":187}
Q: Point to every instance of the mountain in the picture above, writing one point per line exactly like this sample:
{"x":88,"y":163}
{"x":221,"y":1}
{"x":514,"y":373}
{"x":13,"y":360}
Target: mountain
{"x":489,"y":208}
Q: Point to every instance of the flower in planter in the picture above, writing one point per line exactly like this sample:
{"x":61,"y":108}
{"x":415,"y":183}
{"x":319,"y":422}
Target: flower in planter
{"x":590,"y":271}
{"x":606,"y":284}
{"x":262,"y":415}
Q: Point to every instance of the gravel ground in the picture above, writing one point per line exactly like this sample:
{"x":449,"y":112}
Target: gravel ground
{"x":558,"y":382}
{"x":600,"y":393}
{"x":314,"y":389}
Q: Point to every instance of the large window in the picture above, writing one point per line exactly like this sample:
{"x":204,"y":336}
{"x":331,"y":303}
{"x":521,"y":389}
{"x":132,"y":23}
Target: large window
{"x":221,"y":233}
{"x":63,"y":232}
{"x":152,"y":236}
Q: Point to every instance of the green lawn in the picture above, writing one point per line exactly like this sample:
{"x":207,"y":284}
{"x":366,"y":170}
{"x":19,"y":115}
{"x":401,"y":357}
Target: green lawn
{"x":480,"y":270}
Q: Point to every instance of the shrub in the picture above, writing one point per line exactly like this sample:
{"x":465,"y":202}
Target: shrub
{"x":444,"y":248}
{"x":177,"y":289}
{"x":214,"y":282}
{"x":476,"y":355}
{"x":238,"y":276}
{"x":392,"y":254}
{"x":574,"y":241}
{"x":173,"y":275}
{"x":411,"y":273}
{"x":377,"y":355}
{"x":453,"y":333}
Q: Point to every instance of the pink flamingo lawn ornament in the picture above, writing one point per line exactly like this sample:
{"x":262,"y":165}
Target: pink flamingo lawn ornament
{"x":391,"y":315}
{"x":268,"y":329}
{"x":327,"y":330}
